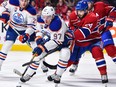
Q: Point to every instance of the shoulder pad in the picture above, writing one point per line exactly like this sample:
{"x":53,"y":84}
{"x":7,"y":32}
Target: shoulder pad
{"x":91,"y":17}
{"x":31,"y":10}
{"x":14,"y":2}
{"x":55,"y":24}
{"x":40,"y":20}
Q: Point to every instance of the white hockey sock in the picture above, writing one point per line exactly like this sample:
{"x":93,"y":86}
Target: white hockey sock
{"x":62,"y":65}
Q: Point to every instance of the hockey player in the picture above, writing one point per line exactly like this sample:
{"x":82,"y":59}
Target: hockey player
{"x":87,"y":37}
{"x":21,"y":18}
{"x":107,"y":39}
{"x":54,"y":28}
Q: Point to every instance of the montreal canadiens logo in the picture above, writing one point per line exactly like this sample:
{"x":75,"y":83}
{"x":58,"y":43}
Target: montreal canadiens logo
{"x":18,"y":18}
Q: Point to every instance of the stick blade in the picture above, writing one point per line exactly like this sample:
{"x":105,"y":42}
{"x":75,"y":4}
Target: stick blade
{"x":17,"y":72}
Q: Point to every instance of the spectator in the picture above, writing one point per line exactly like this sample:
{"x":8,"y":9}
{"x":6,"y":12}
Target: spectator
{"x":70,"y":3}
{"x":1,"y":1}
{"x":47,"y":3}
{"x":66,"y":18}
{"x":40,"y":3}
{"x":33,"y":3}
{"x":61,"y":8}
{"x":39,"y":12}
{"x":54,"y":2}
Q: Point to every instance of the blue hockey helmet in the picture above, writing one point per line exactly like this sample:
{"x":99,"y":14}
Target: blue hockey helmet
{"x":88,"y":0}
{"x":82,"y":5}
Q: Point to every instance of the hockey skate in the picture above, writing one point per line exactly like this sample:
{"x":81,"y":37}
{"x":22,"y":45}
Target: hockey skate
{"x":56,"y":78}
{"x":26,"y":77}
{"x":73,"y":68}
{"x":104,"y":78}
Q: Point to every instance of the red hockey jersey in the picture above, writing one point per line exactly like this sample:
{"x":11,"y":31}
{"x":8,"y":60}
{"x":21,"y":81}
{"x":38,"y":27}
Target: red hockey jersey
{"x":102,"y":11}
{"x":85,"y":30}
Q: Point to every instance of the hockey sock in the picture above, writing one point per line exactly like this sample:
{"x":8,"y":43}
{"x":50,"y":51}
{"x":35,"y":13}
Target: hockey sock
{"x":111,"y":51}
{"x":99,"y":58}
{"x":2,"y":56}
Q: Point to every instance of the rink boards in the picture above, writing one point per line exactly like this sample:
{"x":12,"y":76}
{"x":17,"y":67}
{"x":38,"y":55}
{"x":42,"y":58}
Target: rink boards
{"x":24,"y":47}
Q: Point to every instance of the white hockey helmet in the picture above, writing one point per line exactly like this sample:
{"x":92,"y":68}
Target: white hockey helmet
{"x":48,"y":11}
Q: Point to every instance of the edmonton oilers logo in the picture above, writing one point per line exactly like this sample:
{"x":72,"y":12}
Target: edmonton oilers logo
{"x":18,"y":18}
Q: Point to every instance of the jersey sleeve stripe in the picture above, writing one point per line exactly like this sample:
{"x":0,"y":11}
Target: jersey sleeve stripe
{"x":85,"y":32}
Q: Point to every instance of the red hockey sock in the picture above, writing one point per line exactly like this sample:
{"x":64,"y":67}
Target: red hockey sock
{"x":111,"y":50}
{"x":99,"y":58}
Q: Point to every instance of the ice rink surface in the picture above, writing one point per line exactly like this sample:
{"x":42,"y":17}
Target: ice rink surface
{"x":87,"y":74}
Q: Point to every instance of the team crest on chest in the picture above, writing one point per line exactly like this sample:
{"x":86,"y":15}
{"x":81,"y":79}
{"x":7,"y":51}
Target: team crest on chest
{"x":18,"y":18}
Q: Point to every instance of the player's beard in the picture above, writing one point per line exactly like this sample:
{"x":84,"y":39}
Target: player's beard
{"x":81,"y":17}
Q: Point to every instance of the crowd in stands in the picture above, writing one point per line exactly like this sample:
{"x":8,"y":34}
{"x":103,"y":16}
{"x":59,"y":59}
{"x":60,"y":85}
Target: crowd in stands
{"x":62,"y":7}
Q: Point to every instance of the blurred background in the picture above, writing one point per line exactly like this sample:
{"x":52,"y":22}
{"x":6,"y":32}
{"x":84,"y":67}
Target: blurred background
{"x":62,"y":7}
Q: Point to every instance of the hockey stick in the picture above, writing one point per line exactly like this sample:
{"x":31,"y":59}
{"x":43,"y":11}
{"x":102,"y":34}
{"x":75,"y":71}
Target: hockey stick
{"x":22,"y":74}
{"x":17,"y":72}
{"x":31,"y":61}
{"x":28,"y":65}
{"x":51,"y":51}
{"x":50,"y":66}
{"x":18,"y":33}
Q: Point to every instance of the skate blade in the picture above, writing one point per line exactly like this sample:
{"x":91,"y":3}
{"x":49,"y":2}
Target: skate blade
{"x":72,"y":74}
{"x":105,"y":84}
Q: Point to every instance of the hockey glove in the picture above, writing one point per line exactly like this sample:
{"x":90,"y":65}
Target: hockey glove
{"x":70,"y":34}
{"x":46,"y":38}
{"x":23,"y":38}
{"x":35,"y":51}
{"x":109,"y":23}
{"x":38,"y":50}
{"x":40,"y":40}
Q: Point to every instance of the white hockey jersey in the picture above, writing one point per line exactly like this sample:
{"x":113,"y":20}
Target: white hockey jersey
{"x":56,"y":29}
{"x":20,"y":19}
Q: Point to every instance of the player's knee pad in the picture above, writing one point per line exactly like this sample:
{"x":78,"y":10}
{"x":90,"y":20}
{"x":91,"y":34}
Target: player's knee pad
{"x":65,"y":54}
{"x":7,"y":46}
{"x":111,"y":50}
{"x":97,"y":52}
